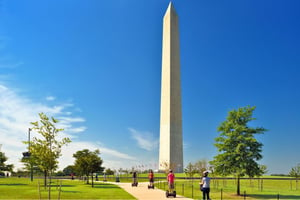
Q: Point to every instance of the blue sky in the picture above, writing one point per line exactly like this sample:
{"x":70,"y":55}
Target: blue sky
{"x":96,"y":66}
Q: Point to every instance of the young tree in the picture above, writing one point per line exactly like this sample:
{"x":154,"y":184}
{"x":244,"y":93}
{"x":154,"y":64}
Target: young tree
{"x":295,"y":172}
{"x":167,"y":166}
{"x":201,"y":166}
{"x":239,"y":149}
{"x":88,"y":162}
{"x":190,"y":170}
{"x":46,"y":149}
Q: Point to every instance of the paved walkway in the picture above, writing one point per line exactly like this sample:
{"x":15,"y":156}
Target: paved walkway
{"x":142,"y":192}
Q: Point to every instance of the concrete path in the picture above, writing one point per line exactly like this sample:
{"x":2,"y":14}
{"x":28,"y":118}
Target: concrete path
{"x":142,"y":192}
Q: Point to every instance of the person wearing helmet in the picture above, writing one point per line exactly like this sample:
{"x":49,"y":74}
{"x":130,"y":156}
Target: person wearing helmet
{"x":204,"y":185}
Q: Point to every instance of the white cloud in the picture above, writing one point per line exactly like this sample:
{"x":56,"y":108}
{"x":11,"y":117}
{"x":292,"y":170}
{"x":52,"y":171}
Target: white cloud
{"x":16,"y":113}
{"x":50,"y":98}
{"x":108,"y":155}
{"x":145,"y":140}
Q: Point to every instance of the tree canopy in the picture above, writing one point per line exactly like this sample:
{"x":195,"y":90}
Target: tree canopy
{"x":88,"y":162}
{"x":295,"y":172}
{"x":3,"y":166}
{"x":238,"y":148}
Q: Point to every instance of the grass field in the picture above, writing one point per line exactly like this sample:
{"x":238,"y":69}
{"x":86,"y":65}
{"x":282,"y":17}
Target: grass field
{"x":23,"y":188}
{"x":266,"y":188}
{"x":226,"y":189}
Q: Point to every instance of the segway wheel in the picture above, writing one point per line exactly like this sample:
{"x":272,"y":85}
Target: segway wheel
{"x":174,"y":194}
{"x":167,"y":194}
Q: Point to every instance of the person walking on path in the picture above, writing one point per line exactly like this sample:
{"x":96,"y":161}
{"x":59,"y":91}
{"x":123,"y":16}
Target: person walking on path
{"x":204,"y":185}
{"x":171,"y":180}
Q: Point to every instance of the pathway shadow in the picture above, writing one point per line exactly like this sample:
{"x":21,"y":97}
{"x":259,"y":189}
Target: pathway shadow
{"x":72,"y":191}
{"x":105,"y":186}
{"x":62,"y":186}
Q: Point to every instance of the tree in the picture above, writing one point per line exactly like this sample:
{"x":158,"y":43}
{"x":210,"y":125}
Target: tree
{"x":46,"y":149}
{"x":190,"y":170}
{"x":295,"y":172}
{"x":201,"y":166}
{"x":88,"y":162}
{"x":263,"y":170}
{"x":239,"y":149}
{"x":3,"y":166}
{"x":167,"y":167}
{"x":70,"y":169}
{"x":108,"y":172}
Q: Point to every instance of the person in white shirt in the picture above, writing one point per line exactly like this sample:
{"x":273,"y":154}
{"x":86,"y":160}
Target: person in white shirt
{"x":204,"y":185}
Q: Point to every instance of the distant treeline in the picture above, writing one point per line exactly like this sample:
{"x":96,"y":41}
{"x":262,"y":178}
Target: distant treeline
{"x":280,"y":175}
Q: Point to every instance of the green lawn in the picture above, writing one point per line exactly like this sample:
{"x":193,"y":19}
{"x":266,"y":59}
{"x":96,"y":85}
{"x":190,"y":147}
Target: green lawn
{"x":269,"y":189}
{"x":23,"y":188}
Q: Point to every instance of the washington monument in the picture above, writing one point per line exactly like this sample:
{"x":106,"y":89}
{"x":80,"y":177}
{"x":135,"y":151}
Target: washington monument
{"x":170,"y":148}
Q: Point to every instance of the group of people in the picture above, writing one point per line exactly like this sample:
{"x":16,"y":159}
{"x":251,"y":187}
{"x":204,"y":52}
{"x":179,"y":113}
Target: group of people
{"x":204,"y":182}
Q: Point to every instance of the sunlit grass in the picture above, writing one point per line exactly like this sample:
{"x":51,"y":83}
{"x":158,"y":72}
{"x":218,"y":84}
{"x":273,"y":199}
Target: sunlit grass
{"x":23,"y":188}
{"x":226,"y":189}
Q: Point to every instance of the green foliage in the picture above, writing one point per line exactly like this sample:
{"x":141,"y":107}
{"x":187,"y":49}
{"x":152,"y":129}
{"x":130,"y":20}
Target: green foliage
{"x":87,"y":162}
{"x":108,"y":171}
{"x":3,"y":166}
{"x":70,"y":169}
{"x":238,"y":148}
{"x":46,"y":149}
{"x":295,"y":171}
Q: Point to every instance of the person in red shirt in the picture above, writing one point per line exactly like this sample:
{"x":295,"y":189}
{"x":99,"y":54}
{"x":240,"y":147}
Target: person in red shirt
{"x":151,"y":177}
{"x":171,"y":179}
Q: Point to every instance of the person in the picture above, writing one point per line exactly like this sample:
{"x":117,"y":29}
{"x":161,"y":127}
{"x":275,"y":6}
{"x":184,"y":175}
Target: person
{"x":151,"y":177}
{"x":204,"y":185}
{"x":171,"y":180}
{"x":134,"y":177}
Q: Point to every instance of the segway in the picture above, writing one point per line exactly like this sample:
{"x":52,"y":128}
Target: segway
{"x":173,"y":194}
{"x":171,"y":191}
{"x":150,"y":186}
{"x":135,"y":183}
{"x":134,"y":176}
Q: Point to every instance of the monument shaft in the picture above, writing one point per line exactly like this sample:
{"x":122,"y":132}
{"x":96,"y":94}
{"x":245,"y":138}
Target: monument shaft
{"x":171,"y":152}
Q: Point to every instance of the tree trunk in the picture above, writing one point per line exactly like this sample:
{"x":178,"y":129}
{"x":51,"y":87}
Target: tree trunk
{"x":87,"y":178}
{"x":238,"y":185}
{"x":92,"y":180}
{"x":45,"y":178}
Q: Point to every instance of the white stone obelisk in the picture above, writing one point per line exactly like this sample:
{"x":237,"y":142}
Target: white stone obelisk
{"x":170,"y":147}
